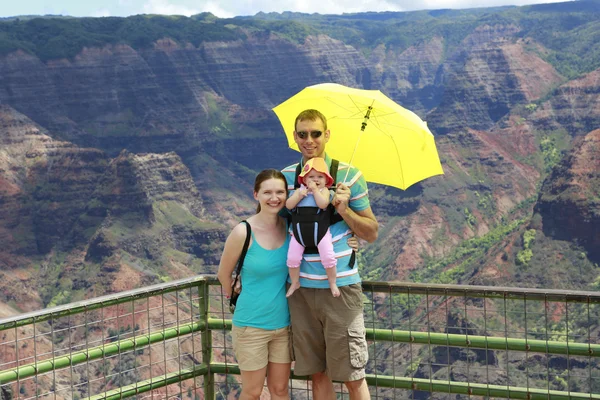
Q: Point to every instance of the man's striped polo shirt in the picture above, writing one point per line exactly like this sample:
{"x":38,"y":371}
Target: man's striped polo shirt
{"x":312,"y":273}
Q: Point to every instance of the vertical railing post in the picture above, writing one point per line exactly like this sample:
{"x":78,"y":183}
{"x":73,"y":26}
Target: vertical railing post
{"x":209,"y":378}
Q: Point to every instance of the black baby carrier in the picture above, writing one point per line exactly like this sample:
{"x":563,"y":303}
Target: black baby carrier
{"x":309,"y":224}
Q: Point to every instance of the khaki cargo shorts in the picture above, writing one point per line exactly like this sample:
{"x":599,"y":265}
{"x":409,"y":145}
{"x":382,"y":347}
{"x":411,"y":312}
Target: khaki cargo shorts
{"x":328,"y":333}
{"x":254,"y":348}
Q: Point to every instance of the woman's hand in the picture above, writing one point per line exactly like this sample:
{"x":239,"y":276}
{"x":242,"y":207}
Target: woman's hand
{"x":353,"y":243}
{"x":238,"y":285}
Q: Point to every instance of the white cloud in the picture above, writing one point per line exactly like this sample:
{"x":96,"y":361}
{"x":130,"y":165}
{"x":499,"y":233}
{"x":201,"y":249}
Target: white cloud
{"x":166,"y":8}
{"x":457,"y":4}
{"x":219,"y":11}
{"x":103,"y":12}
{"x":230,"y":8}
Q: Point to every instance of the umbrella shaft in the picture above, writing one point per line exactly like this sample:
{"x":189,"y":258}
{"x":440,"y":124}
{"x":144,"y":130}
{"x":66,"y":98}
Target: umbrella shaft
{"x":367,"y":116}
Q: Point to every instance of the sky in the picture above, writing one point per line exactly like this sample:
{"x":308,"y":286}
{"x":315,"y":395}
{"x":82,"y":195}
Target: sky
{"x":231,"y":8}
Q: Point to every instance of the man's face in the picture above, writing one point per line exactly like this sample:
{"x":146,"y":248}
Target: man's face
{"x":308,"y":139}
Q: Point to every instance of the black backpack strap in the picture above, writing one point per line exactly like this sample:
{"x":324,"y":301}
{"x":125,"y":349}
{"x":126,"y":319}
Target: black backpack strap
{"x":298,"y":170}
{"x":352,"y":259}
{"x":333,"y":170}
{"x":238,"y":269}
{"x":244,"y":251}
{"x":335,"y":218}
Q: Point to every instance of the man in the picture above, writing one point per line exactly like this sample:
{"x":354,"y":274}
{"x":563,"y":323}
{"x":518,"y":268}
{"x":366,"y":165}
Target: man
{"x":328,"y":332}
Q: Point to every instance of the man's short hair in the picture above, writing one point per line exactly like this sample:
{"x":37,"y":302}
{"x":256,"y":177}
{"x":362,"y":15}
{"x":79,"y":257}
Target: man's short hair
{"x":311,"y":115}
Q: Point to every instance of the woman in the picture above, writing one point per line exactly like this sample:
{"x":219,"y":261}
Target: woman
{"x":261,"y":320}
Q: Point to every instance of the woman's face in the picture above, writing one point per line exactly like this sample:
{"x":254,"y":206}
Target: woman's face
{"x":271,"y":195}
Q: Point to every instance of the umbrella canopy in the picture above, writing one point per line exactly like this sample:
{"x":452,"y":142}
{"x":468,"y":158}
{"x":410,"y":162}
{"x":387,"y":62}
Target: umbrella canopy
{"x":388,"y":143}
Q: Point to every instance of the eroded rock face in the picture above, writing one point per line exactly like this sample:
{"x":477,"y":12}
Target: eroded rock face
{"x":489,"y":76}
{"x":414,"y":76}
{"x":44,"y":184}
{"x":569,"y":202}
{"x":196,"y":123}
{"x":574,"y":107}
{"x":148,"y":203}
{"x":161,"y":99}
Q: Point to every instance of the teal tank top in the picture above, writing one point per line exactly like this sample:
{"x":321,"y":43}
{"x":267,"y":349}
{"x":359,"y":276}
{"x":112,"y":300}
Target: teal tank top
{"x":262,"y":302}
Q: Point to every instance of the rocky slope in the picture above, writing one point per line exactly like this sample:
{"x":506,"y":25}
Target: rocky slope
{"x":129,"y":164}
{"x":569,"y":202}
{"x":86,"y":223}
{"x":45,"y":184}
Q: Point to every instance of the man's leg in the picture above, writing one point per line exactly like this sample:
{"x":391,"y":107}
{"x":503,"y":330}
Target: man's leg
{"x":322,"y":387}
{"x":307,"y":332}
{"x":358,"y":390}
{"x":347,"y":350}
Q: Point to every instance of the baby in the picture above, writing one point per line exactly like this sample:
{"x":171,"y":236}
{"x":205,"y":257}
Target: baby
{"x":310,"y":210}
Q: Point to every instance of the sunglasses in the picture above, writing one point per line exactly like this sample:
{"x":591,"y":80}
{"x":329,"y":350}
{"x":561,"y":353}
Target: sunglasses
{"x":313,"y":134}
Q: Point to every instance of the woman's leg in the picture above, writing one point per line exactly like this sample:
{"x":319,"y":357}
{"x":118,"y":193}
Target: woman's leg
{"x":278,"y":378}
{"x":253,"y":383}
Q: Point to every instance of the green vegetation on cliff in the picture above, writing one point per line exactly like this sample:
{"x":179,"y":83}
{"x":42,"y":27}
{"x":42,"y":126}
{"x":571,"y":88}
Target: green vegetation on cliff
{"x":568,"y":30}
{"x":54,"y":38}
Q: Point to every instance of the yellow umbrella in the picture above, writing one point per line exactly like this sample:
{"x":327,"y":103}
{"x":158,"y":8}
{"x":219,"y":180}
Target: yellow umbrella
{"x":388,"y":143}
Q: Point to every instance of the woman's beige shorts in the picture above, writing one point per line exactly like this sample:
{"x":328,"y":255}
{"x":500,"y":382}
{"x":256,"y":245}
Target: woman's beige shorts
{"x":254,"y":348}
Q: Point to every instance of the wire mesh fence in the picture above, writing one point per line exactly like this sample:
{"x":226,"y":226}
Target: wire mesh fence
{"x":425,"y":342}
{"x":103,"y":346}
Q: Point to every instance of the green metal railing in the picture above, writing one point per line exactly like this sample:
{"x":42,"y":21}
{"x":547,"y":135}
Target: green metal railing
{"x":173,"y":340}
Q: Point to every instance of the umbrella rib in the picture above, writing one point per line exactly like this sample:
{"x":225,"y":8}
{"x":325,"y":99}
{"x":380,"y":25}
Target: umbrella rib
{"x":343,"y":107}
{"x":378,"y":124}
{"x":399,"y":159}
{"x":359,"y":111}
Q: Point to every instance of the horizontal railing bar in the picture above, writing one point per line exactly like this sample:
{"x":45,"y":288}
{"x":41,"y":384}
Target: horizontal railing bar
{"x":151,"y":384}
{"x":99,"y":302}
{"x":467,"y":341}
{"x":485,"y":342}
{"x":94,"y":353}
{"x":501,"y":292}
{"x":474,"y":389}
{"x":482,"y":291}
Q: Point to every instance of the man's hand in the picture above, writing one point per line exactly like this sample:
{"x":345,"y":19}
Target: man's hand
{"x":341,"y":198}
{"x":353,"y":242}
{"x":363,"y":223}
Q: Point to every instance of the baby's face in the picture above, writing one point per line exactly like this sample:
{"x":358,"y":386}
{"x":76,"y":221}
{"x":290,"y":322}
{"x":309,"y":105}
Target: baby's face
{"x":317,"y":177}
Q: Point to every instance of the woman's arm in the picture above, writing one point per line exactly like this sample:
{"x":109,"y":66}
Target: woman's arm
{"x":231,"y":255}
